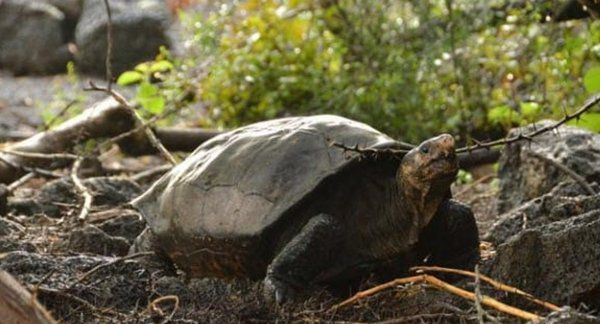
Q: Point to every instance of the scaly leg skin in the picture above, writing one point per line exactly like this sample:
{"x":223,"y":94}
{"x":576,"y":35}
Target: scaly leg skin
{"x":303,"y":258}
{"x":147,"y":242}
{"x":451,"y":239}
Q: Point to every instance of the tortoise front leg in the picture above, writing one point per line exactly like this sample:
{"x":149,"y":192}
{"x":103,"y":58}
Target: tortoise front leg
{"x":303,"y":258}
{"x":451,"y":239}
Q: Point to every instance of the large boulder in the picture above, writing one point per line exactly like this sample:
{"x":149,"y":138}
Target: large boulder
{"x":548,"y":241}
{"x":139,"y":29}
{"x":32,"y":38}
{"x":524,"y":176}
{"x":559,"y":261}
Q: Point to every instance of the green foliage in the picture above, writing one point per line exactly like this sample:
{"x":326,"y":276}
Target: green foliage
{"x":589,"y":121}
{"x":65,"y":103}
{"x":591,"y":80}
{"x":409,"y":68}
{"x":147,"y":76}
{"x":464,"y":177}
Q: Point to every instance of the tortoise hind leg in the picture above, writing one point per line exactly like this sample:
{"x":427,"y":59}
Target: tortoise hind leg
{"x":147,"y":242}
{"x":303,"y":258}
{"x":451,"y":239}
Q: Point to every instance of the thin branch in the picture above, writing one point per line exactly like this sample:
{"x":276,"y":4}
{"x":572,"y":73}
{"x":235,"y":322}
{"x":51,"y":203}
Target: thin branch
{"x":16,"y":184}
{"x":370,"y":152}
{"x":48,"y":156}
{"x":590,"y":102}
{"x":491,"y":282}
{"x":60,"y":114}
{"x":38,"y":171}
{"x":149,"y":133}
{"x":153,"y":307}
{"x":442,"y":285}
{"x":83,"y":190}
{"x":109,"y":45}
{"x":579,"y":179}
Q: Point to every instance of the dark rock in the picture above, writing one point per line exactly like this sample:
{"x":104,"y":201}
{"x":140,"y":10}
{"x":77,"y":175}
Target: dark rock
{"x":564,"y":201}
{"x":524,"y":177}
{"x":91,"y":239}
{"x":139,"y":29}
{"x":128,"y":225}
{"x":107,"y":191}
{"x":559,"y":261}
{"x":32,"y":37}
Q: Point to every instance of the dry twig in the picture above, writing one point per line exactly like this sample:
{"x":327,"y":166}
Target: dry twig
{"x":149,"y":133}
{"x":83,"y":190}
{"x":491,"y":282}
{"x":442,"y":285}
{"x":22,"y":180}
{"x":153,"y":307}
{"x":47,"y":156}
{"x":589,"y":103}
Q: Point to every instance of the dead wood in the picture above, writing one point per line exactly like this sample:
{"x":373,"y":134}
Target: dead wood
{"x":105,"y":119}
{"x":17,"y":305}
{"x":442,"y":285}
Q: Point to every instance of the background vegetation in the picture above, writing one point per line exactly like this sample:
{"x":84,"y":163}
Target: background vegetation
{"x":409,"y":68}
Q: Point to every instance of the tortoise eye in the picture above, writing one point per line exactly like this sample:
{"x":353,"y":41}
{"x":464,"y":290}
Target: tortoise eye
{"x":424,"y":149}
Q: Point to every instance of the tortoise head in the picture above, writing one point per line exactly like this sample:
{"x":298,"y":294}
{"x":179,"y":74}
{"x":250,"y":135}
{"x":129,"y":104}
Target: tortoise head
{"x":426,"y":173}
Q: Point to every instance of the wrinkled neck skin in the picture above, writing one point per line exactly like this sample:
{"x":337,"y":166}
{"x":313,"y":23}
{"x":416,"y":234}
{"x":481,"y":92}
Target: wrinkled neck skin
{"x":411,"y":208}
{"x":393,"y":232}
{"x":422,"y":200}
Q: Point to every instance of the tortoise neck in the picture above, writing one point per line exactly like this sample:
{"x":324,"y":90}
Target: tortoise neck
{"x":391,"y":232}
{"x":422,"y":200}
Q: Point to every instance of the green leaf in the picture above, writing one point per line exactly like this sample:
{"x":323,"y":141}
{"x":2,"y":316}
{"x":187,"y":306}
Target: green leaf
{"x":161,"y":66}
{"x":143,"y":67}
{"x":589,"y":121}
{"x":150,"y":99}
{"x":154,"y":105}
{"x":500,"y":115}
{"x":147,"y":90}
{"x":591,"y":80}
{"x":530,"y":110}
{"x":129,"y":77}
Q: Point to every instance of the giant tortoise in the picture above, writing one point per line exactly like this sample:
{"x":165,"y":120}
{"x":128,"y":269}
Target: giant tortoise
{"x":276,"y":200}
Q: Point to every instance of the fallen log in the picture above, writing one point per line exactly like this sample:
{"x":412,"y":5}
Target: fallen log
{"x":105,"y":119}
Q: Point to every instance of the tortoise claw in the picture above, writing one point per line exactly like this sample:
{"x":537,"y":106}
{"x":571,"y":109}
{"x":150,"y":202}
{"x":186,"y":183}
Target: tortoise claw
{"x":276,"y":291}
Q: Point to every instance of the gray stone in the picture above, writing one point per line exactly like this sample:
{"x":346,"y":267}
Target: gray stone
{"x":139,"y":29}
{"x":559,"y":261}
{"x":524,"y":177}
{"x":32,"y":37}
{"x":564,"y":201}
{"x":91,"y":239}
{"x":128,"y":225}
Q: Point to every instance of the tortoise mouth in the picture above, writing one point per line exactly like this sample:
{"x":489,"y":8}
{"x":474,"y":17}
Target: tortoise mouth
{"x":443,"y":168}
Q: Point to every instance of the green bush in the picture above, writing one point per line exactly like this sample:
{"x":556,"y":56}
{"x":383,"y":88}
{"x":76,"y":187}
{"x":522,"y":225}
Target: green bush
{"x":409,"y":68}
